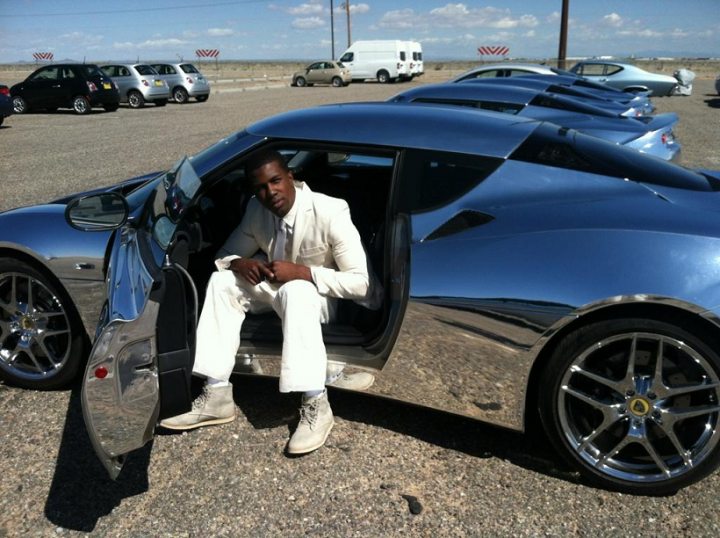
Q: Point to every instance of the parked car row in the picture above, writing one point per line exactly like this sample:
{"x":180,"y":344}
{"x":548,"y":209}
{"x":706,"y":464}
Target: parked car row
{"x":82,"y":87}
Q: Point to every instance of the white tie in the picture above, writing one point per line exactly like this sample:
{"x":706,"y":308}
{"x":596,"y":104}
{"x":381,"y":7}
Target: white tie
{"x":280,"y":238}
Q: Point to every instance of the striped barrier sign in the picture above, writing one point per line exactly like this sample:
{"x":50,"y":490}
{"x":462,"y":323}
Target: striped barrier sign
{"x":43,"y":55}
{"x":494,"y":51}
{"x":207,"y":53}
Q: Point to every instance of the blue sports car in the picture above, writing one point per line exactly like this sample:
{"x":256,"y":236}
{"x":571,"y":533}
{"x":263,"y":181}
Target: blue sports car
{"x":637,"y":106}
{"x":650,"y":134}
{"x":530,"y":271}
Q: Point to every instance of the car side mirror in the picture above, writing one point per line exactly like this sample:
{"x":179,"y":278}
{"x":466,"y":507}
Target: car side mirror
{"x":97,"y":212}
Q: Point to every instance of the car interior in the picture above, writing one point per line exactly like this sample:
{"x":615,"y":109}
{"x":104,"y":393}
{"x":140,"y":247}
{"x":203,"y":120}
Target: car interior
{"x":362,"y":178}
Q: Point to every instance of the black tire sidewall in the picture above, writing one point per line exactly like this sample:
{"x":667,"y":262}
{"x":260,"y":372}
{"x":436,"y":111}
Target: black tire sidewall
{"x":141,"y":100}
{"x":183,"y":95}
{"x":300,"y":84}
{"x":87,"y":105}
{"x":77,"y":332}
{"x":563,"y":356}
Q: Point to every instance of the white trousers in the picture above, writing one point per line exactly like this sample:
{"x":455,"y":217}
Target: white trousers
{"x":300,"y":307}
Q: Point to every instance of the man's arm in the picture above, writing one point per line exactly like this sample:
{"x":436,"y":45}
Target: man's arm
{"x":351,"y":280}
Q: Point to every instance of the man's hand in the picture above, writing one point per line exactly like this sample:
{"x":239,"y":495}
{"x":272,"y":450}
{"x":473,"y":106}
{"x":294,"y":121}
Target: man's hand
{"x":253,"y":271}
{"x":286,"y":271}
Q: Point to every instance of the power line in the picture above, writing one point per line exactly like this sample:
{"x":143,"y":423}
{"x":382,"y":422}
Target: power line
{"x":215,"y":4}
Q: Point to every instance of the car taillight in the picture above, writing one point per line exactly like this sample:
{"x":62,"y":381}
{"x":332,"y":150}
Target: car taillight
{"x":5,"y":91}
{"x":638,"y":113}
{"x":399,"y":65}
{"x":190,"y":81}
{"x":91,"y":86}
{"x":145,"y":82}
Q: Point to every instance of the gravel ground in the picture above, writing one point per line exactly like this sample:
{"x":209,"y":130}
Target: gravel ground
{"x":470,"y":479}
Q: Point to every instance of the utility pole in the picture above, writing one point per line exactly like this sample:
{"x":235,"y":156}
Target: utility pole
{"x":562,"y":51}
{"x":346,"y":7}
{"x":332,"y":28}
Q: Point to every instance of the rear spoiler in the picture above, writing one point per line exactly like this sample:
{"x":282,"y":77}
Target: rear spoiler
{"x":661,"y":121}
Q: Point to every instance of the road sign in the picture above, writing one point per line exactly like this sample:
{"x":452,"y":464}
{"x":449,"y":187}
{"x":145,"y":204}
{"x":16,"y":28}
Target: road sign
{"x":43,"y":55}
{"x":207,"y":53}
{"x":494,"y":51}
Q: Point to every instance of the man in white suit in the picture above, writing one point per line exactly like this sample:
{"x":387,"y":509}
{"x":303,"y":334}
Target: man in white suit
{"x":296,"y":252}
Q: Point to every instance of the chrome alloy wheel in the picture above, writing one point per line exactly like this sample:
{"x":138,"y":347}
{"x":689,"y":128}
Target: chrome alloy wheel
{"x":19,"y":105}
{"x":35,"y":338}
{"x":640,"y":407}
{"x":80,"y":105}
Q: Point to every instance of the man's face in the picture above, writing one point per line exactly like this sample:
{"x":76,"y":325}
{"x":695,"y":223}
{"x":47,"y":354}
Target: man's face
{"x":274,"y":188}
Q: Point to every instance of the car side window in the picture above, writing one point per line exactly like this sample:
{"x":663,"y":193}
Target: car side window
{"x":433,"y":179}
{"x":403,"y":56}
{"x":613,"y":69}
{"x":68,"y":73}
{"x":123,"y":72}
{"x":314,"y":66}
{"x":516,"y":73}
{"x":47,"y":73}
{"x":492,"y":73}
{"x":170,"y":70}
{"x":347,"y":57}
{"x":109,"y":70}
{"x":593,"y":70}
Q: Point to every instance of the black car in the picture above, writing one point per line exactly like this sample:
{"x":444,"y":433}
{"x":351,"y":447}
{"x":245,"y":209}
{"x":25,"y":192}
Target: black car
{"x":76,"y":86}
{"x":6,"y":108}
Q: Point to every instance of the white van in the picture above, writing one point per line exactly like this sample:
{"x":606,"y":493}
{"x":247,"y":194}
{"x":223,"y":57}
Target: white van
{"x":417,"y":65}
{"x":386,"y":60}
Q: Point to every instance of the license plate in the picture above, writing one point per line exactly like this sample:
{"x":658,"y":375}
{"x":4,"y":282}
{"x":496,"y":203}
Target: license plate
{"x":158,"y":83}
{"x":106,"y":86}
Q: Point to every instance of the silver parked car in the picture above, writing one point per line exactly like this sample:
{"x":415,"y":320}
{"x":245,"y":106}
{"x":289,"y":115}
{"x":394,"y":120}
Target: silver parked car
{"x":629,"y":78}
{"x":138,"y":84}
{"x":185,"y":81}
{"x":532,"y":274}
{"x":507,"y":69}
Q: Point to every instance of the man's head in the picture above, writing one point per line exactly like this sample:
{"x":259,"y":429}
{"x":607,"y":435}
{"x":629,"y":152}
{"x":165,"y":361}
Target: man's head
{"x":271,"y":181}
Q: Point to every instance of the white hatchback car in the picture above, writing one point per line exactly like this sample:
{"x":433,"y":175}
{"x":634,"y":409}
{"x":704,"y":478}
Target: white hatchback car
{"x":185,"y":81}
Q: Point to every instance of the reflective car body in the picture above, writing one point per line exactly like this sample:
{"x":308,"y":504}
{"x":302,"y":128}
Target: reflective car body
{"x":589,"y":96}
{"x":506,"y":70}
{"x":76,"y":86}
{"x":497,"y":239}
{"x":138,"y":84}
{"x":626,"y":77}
{"x":326,"y":72}
{"x":717,"y":84}
{"x":650,"y":134}
{"x":184,"y":80}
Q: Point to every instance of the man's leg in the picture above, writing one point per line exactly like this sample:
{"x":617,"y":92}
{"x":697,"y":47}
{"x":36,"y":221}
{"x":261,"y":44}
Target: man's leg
{"x":304,"y":361}
{"x":218,"y":338}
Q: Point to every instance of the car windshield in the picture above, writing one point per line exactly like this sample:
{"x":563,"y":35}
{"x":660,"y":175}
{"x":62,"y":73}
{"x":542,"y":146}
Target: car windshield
{"x":145,"y":70}
{"x":92,"y":71}
{"x":189,"y":68}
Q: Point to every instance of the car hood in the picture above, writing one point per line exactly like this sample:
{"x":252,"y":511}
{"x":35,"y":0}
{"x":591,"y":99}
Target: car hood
{"x":123,"y":188}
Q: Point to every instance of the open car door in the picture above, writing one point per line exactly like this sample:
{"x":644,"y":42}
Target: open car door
{"x":140,"y":367}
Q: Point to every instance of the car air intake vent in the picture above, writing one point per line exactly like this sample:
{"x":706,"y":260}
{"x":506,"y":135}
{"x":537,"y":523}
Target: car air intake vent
{"x":462,"y":221}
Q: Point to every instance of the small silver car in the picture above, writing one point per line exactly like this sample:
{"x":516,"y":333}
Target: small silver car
{"x":138,"y":84}
{"x":184,"y":80}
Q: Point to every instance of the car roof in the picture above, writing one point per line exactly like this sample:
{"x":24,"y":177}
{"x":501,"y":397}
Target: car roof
{"x":606,"y":62}
{"x":458,"y":129}
{"x":477,"y":91}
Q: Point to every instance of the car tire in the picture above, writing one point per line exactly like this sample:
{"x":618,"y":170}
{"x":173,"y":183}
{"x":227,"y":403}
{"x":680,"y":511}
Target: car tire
{"x":180,"y":95}
{"x":618,"y":415}
{"x":19,"y":105}
{"x":201,"y":98}
{"x":30,"y":357}
{"x":383,"y":76}
{"x":337,"y":82}
{"x":160,"y":102}
{"x":81,"y":105}
{"x":136,"y":100}
{"x":300,"y":82}
{"x":111,"y":107}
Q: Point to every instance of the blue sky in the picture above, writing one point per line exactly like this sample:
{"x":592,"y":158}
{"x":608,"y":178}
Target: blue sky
{"x":300,"y":29}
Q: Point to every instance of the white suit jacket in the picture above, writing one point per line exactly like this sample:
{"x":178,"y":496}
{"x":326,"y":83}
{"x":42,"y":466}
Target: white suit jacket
{"x":324,"y":239}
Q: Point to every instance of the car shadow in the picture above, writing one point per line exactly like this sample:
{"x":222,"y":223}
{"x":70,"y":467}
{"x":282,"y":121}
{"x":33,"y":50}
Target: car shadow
{"x":81,"y":491}
{"x":713,"y":103}
{"x":264,"y":407}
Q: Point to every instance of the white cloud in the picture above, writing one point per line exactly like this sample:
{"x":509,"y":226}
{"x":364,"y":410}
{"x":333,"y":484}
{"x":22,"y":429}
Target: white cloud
{"x":456,"y":16}
{"x":81,"y":39}
{"x":679,"y":32}
{"x":553,"y":18}
{"x":530,"y":33}
{"x":355,"y":9}
{"x":308,"y":23}
{"x":150,"y":44}
{"x":614,"y":20}
{"x":220,"y":32}
{"x":312,"y":8}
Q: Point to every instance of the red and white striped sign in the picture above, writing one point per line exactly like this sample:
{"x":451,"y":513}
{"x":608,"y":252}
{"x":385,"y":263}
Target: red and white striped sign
{"x":207,"y":53}
{"x":494,"y":51}
{"x":43,"y":55}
